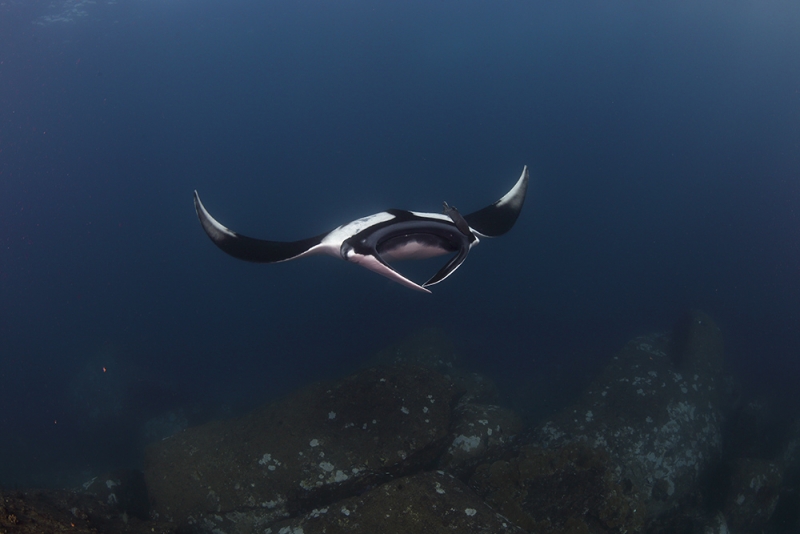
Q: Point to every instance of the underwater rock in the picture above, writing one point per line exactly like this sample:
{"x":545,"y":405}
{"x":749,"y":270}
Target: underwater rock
{"x":53,"y":511}
{"x":654,"y":411}
{"x":786,"y":517}
{"x":123,"y":490}
{"x":691,"y":519}
{"x":660,"y":428}
{"x":321,"y":444}
{"x":759,"y":475}
{"x":696,"y":345}
{"x":427,"y":347}
{"x":475,"y":387}
{"x":425,"y":503}
{"x":480,"y":433}
{"x":572,"y":488}
{"x":791,"y":451}
{"x":434,"y":349}
{"x":164,"y":426}
{"x":753,"y":494}
{"x":753,"y":489}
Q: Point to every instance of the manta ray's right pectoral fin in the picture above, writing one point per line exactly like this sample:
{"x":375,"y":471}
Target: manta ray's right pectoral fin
{"x":251,"y":249}
{"x":500,"y":217}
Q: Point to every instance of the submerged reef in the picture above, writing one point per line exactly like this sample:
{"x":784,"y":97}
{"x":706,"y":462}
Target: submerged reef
{"x":319,"y":445}
{"x":630,"y":448}
{"x":412,"y":444}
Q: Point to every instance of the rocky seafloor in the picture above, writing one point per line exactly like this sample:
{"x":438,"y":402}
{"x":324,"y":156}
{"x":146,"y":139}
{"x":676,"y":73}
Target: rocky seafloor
{"x":659,"y":442}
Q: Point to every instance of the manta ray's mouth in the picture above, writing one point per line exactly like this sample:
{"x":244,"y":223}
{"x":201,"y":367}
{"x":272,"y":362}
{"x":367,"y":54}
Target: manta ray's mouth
{"x":414,"y":247}
{"x":421,"y":268}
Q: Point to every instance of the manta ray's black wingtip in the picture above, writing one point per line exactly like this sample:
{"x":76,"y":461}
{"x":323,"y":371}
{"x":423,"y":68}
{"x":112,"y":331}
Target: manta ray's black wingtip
{"x":214,"y":229}
{"x":499,"y":218}
{"x":250,"y":249}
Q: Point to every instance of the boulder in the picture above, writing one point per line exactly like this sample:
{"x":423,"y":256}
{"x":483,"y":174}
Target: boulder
{"x":122,"y":490}
{"x":427,"y":347}
{"x":568,"y":489}
{"x":754,"y":490}
{"x":480,"y":433}
{"x":432,"y":348}
{"x":655,"y":410}
{"x":425,"y":503}
{"x":641,"y":436}
{"x":74,"y":512}
{"x":319,"y":445}
{"x":476,"y":388}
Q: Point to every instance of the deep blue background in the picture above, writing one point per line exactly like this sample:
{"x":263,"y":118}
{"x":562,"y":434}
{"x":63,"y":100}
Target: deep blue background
{"x":664,"y":144}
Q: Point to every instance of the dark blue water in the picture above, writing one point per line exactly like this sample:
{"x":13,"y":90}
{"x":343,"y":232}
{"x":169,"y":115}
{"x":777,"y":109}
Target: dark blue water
{"x":664,"y":145}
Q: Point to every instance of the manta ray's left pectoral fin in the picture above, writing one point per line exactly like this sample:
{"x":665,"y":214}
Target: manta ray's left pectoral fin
{"x":251,"y":249}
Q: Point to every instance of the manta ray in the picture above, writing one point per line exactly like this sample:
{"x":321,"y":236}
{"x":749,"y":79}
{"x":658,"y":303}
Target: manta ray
{"x":377,"y":239}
